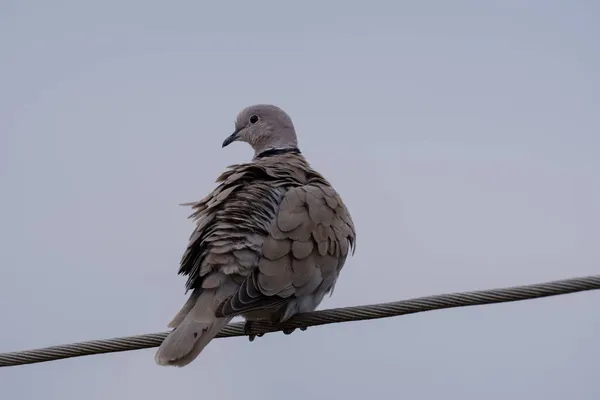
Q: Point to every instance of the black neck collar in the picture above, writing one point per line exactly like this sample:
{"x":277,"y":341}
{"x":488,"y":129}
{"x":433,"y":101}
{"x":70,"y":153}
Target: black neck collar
{"x":276,"y":152}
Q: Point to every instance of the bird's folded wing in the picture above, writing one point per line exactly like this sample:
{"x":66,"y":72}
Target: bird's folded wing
{"x":308,"y":241}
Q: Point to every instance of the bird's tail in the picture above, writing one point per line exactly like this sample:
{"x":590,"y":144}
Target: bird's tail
{"x":195,"y":326}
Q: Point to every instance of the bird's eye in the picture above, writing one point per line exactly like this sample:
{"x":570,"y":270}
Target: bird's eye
{"x":254,"y":119}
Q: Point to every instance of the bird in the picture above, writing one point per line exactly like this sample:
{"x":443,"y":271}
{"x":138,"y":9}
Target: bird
{"x":269,"y":241}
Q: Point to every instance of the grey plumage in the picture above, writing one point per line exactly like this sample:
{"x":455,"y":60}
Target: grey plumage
{"x":270,"y":240}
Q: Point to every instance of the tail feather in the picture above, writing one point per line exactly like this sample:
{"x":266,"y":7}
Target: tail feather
{"x":189,"y":304}
{"x":195,"y":326}
{"x":187,"y":341}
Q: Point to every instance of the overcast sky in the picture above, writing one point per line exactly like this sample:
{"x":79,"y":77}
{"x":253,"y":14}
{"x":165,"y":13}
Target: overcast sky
{"x":463,"y":136}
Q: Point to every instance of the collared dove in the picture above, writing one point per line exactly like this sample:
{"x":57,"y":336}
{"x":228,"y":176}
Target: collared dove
{"x":270,"y":240}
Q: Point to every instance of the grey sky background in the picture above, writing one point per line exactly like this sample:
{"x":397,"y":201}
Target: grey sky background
{"x":463,"y":136}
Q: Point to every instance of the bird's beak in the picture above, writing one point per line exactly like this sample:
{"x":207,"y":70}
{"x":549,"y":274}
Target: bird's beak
{"x":231,"y":138}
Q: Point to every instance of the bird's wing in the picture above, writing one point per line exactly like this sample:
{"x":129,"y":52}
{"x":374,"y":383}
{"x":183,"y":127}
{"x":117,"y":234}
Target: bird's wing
{"x":306,"y":246}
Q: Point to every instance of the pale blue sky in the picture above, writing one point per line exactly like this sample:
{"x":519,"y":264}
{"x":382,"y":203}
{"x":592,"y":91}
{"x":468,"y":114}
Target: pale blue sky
{"x":463,"y":136}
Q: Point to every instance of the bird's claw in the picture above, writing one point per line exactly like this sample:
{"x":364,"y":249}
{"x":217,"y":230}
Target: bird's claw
{"x":248,"y":331}
{"x":251,"y":336}
{"x":288,"y":331}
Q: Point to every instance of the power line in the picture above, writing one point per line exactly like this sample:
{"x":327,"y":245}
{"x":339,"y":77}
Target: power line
{"x":335,"y":315}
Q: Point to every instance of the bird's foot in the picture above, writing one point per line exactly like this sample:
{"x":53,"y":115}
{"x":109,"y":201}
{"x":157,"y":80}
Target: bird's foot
{"x":248,"y":331}
{"x":288,"y":331}
{"x":251,"y":336}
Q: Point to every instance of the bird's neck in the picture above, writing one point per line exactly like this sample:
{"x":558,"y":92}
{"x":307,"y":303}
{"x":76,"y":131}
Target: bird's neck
{"x":274,"y":151}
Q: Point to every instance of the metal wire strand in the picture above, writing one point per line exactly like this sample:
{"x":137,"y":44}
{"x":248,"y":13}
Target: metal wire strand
{"x":330,"y":316}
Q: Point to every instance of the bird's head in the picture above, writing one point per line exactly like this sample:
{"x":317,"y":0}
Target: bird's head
{"x":264,"y":127}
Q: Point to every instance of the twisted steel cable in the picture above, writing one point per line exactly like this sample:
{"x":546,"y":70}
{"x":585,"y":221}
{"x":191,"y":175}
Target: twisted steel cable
{"x":345,"y":314}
